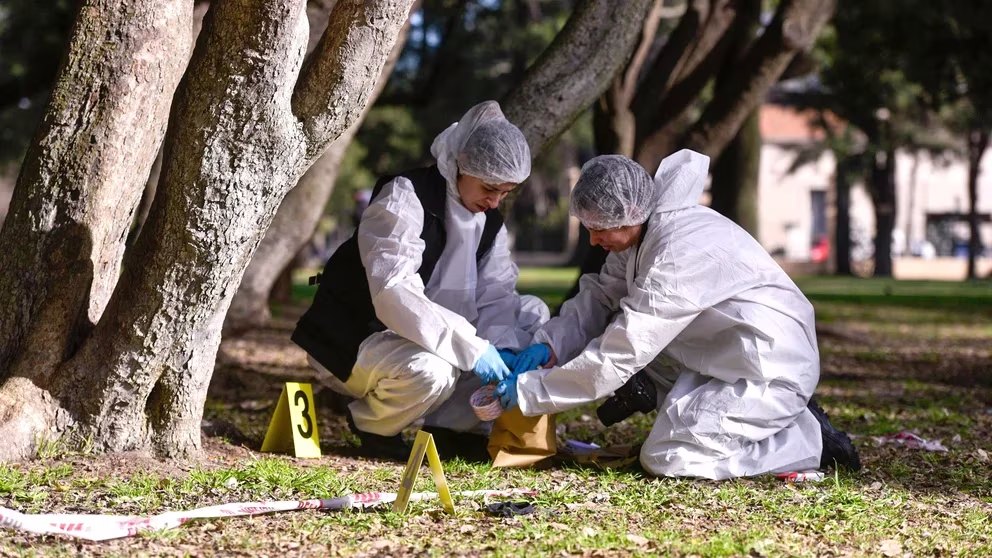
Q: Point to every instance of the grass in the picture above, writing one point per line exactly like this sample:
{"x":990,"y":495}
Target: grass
{"x":892,"y":360}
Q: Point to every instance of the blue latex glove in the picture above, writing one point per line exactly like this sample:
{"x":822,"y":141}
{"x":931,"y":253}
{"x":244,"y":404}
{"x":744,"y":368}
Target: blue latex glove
{"x":507,"y":392}
{"x":509,"y":357}
{"x":490,"y":368}
{"x":531,"y":358}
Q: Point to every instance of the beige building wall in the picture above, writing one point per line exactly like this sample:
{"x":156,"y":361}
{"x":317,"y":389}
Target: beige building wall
{"x":924,"y":185}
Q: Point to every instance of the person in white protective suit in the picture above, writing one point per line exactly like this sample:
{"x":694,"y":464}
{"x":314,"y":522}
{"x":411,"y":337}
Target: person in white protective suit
{"x":689,"y":316}
{"x":420,"y":309}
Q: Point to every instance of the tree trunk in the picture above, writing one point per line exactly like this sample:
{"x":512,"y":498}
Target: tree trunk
{"x":842,"y":226}
{"x":240,"y":137}
{"x":691,"y":56}
{"x":575,"y":69}
{"x":734,"y":188}
{"x":794,"y":28}
{"x":614,"y":125}
{"x":978,"y":141}
{"x":883,"y":180}
{"x":82,"y":178}
{"x":297,"y":218}
{"x":200,"y":8}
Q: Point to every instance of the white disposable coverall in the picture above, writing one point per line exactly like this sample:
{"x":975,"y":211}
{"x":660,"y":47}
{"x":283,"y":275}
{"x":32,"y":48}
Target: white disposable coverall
{"x":727,"y":337}
{"x":420,"y":367}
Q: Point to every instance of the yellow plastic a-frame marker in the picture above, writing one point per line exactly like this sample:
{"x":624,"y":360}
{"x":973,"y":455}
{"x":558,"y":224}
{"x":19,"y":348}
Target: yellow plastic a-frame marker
{"x":423,"y":444}
{"x":294,"y":423}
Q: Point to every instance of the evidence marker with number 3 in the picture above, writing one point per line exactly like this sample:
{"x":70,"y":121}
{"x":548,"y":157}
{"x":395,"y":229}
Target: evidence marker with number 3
{"x":294,"y":423}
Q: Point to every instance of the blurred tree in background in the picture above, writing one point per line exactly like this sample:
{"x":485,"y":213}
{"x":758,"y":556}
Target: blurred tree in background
{"x":914,"y":80}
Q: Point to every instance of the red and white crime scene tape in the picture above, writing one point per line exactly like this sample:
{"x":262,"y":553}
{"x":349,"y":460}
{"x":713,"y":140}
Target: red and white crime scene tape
{"x":103,"y":527}
{"x":802,"y":476}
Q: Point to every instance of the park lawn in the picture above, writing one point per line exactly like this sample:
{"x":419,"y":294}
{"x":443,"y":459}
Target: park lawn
{"x":896,"y":356}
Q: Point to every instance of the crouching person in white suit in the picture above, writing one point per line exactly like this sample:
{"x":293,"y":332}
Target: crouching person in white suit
{"x":689,"y":316}
{"x":419,"y":308}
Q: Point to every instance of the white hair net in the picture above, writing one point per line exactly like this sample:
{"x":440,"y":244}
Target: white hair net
{"x":483,"y":144}
{"x":613,"y":191}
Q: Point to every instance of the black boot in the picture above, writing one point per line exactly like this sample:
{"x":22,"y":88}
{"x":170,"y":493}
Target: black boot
{"x":838,"y":451}
{"x":638,"y":394}
{"x":378,"y":446}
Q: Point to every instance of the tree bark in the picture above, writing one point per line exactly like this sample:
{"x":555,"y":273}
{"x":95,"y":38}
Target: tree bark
{"x":78,"y":187}
{"x":614,"y":125}
{"x":883,"y":193}
{"x":734,"y":189}
{"x":978,"y":142}
{"x":298,"y":214}
{"x":689,"y":60}
{"x":842,"y":225}
{"x":575,"y":69}
{"x":240,"y":137}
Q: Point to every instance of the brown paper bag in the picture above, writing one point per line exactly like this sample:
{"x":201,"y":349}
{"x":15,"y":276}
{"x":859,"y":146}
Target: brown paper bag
{"x":519,"y":441}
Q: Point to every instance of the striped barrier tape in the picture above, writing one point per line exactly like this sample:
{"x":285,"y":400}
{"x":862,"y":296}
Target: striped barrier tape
{"x":97,"y":527}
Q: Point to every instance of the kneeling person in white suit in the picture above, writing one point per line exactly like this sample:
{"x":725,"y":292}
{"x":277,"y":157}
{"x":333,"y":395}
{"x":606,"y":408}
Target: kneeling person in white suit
{"x":691,"y":316}
{"x":410,"y":311}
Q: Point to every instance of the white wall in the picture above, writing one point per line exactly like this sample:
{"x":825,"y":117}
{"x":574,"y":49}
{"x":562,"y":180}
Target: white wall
{"x":785,"y":207}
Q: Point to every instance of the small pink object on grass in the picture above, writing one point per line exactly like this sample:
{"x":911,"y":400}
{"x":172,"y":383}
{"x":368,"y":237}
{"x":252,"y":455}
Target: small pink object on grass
{"x":485,"y":403}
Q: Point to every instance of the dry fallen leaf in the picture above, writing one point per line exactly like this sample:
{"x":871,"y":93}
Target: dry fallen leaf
{"x":638,"y":540}
{"x":890,"y":547}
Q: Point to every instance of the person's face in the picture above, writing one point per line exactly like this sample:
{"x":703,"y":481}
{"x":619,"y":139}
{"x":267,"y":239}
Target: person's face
{"x":617,"y":239}
{"x":477,"y":196}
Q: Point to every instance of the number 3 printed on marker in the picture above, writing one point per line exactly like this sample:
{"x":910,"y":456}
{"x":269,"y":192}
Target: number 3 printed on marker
{"x":306,"y":413}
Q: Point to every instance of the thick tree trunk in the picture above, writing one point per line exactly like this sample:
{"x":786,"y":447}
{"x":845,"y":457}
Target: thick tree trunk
{"x":78,"y":187}
{"x":240,"y":137}
{"x":883,"y":179}
{"x":978,"y":142}
{"x":298,"y":216}
{"x":575,"y":69}
{"x":734,"y":188}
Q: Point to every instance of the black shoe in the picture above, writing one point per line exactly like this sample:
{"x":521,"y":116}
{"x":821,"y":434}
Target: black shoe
{"x":466,"y":445}
{"x":378,"y":446}
{"x":638,"y":394}
{"x":838,"y":451}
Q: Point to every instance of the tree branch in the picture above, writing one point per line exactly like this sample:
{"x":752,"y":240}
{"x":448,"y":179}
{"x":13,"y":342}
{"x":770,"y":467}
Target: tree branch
{"x":333,"y":87}
{"x":678,"y":76}
{"x":575,"y":69}
{"x":795,"y":27}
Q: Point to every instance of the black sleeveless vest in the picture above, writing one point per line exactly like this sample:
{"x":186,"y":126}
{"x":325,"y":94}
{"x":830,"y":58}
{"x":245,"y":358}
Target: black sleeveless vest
{"x":341,"y":315}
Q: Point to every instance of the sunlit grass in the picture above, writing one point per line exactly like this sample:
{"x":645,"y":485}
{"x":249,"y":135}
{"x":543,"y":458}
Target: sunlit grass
{"x":911,"y":357}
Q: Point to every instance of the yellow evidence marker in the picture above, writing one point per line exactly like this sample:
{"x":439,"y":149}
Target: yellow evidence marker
{"x":423,"y":444}
{"x":294,"y":424}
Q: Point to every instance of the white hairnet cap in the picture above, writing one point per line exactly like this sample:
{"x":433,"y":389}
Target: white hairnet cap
{"x":612,"y":191}
{"x":483,"y":144}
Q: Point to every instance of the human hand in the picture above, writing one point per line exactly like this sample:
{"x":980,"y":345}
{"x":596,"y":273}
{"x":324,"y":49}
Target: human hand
{"x":532,"y":358}
{"x":509,"y":357}
{"x":507,"y":392}
{"x":490,"y":367}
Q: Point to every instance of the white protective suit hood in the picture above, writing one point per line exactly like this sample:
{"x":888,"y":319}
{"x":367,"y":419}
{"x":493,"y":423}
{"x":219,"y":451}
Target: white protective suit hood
{"x":681,"y":179}
{"x":453,"y":284}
